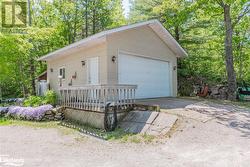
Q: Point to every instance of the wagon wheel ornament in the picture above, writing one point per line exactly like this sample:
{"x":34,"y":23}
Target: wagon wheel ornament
{"x":110,"y":118}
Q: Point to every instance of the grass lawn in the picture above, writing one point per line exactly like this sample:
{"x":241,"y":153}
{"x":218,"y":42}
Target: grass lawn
{"x":117,"y":135}
{"x":4,"y":121}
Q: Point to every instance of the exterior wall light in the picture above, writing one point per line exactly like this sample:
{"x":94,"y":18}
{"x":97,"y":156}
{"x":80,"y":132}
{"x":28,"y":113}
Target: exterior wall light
{"x":174,"y":68}
{"x":51,"y":70}
{"x":83,"y":63}
{"x":113,"y":59}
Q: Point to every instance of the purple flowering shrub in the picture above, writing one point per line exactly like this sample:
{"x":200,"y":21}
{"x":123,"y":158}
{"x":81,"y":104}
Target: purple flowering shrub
{"x":30,"y":113}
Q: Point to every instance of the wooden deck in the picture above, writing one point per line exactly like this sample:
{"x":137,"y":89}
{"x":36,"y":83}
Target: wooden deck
{"x":96,"y":97}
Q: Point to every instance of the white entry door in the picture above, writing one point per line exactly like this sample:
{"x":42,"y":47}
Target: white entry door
{"x":151,"y":76}
{"x":93,"y":71}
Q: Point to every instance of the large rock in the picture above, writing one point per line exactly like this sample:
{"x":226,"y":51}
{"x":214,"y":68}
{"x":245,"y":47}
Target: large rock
{"x":48,"y":112}
{"x":58,"y":110}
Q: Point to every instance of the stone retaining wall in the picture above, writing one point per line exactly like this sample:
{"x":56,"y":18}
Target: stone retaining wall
{"x":56,"y":114}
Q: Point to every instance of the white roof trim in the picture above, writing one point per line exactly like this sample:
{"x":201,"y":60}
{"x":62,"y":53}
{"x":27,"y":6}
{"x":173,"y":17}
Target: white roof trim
{"x":178,"y":48}
{"x":180,"y":51}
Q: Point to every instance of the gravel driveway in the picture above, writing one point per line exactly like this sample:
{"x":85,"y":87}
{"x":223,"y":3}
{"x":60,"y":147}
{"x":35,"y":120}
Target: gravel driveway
{"x":223,"y":141}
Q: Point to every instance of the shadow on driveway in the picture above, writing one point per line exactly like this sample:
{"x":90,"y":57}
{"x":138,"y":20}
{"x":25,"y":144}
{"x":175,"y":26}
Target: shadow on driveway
{"x":232,"y":116}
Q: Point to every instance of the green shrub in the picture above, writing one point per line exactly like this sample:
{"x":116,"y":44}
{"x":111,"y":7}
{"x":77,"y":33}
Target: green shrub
{"x":34,"y":101}
{"x":50,"y":97}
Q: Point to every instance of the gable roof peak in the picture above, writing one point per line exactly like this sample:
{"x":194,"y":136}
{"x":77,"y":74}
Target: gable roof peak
{"x":100,"y":37}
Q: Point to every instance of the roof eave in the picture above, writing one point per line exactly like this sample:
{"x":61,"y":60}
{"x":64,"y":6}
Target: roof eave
{"x":176,"y":47}
{"x":72,"y":47}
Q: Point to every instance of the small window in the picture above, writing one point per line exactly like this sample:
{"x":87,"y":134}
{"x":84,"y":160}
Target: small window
{"x":62,"y":72}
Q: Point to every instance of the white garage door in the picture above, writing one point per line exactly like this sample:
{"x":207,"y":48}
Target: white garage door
{"x":151,"y":76}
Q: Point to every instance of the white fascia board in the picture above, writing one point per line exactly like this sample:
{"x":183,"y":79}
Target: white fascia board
{"x":102,"y":35}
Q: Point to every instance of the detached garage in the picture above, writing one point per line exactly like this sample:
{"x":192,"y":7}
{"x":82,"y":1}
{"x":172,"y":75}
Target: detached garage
{"x":143,"y":54}
{"x":151,"y":76}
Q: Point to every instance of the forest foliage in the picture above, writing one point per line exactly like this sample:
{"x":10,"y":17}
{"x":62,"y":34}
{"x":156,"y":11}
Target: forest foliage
{"x":203,"y":29}
{"x":198,"y":25}
{"x":52,"y":25}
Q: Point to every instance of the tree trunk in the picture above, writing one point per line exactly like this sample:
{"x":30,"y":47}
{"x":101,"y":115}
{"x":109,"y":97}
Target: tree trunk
{"x":29,"y":13}
{"x":75,"y":23}
{"x":32,"y":75}
{"x":94,"y":22}
{"x":177,"y":38}
{"x":86,"y":19}
{"x":231,"y":77}
{"x":94,"y":18}
{"x":21,"y":79}
{"x":177,"y":33}
{"x":32,"y":66}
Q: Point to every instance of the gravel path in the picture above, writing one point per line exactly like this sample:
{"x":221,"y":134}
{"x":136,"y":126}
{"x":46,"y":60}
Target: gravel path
{"x":223,"y":141}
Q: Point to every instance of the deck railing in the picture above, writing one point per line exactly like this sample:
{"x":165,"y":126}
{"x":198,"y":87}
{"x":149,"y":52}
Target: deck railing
{"x":95,"y":97}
